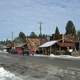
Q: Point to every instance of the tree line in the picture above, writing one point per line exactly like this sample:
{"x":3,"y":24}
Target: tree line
{"x":69,"y":30}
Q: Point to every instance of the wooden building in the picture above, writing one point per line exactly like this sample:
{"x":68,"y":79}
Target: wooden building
{"x":31,"y":45}
{"x":47,"y":48}
{"x":57,"y":47}
{"x":19,"y":48}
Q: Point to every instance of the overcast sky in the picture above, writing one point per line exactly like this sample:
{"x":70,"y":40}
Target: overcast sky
{"x":25,"y":15}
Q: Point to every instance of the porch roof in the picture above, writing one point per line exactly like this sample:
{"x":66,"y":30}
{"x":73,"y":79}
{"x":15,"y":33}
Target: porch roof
{"x":48,"y":44}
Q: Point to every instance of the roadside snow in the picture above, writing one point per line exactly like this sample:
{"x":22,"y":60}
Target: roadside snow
{"x":65,"y":56}
{"x":6,"y":75}
{"x":58,"y":56}
{"x":3,"y":51}
{"x":40,"y":55}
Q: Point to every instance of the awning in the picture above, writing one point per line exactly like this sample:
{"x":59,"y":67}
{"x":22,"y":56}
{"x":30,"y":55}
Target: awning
{"x":48,"y":44}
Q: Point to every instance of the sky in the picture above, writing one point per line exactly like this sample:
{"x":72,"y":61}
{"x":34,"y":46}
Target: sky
{"x":25,"y":16}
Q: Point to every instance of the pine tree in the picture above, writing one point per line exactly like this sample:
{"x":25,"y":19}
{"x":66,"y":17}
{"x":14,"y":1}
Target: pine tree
{"x":33,"y":35}
{"x":57,"y":31}
{"x":56,"y":36}
{"x":70,"y":28}
{"x":22,"y":37}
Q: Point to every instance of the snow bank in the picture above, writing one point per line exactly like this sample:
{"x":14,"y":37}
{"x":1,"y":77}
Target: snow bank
{"x":6,"y":75}
{"x":40,"y":55}
{"x":3,"y":51}
{"x":65,"y":56}
{"x":58,"y":56}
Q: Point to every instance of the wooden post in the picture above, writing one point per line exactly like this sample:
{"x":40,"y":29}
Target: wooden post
{"x":42,"y":51}
{"x":50,"y":50}
{"x":45,"y":52}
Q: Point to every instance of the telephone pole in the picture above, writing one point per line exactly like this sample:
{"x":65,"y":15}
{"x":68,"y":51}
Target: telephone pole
{"x":40,"y":29}
{"x":40,"y":35}
{"x":12,"y":36}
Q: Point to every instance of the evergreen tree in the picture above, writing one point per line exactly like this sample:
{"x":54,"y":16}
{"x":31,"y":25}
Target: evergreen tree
{"x":70,"y":28}
{"x":44,"y":36}
{"x":33,"y":35}
{"x":57,"y":31}
{"x":22,"y":37}
{"x":56,"y":35}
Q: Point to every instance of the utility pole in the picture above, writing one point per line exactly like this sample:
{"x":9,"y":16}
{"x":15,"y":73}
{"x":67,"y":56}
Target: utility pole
{"x":40,"y":35}
{"x":12,"y":36}
{"x":12,"y":40}
{"x":40,"y":29}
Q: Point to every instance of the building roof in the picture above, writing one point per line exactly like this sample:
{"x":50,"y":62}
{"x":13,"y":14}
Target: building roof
{"x":48,"y":44}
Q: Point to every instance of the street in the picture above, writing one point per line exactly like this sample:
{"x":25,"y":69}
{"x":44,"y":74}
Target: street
{"x":40,"y":68}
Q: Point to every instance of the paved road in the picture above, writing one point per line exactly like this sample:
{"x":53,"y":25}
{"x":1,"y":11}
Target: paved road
{"x":41,"y":68}
{"x":8,"y":58}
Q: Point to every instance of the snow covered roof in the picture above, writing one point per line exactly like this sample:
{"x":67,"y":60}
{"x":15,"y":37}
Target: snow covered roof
{"x":48,"y":44}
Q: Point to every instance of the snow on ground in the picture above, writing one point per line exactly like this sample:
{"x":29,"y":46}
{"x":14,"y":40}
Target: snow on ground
{"x":3,"y":51}
{"x":6,"y":75}
{"x":59,"y":56}
{"x":65,"y":56}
